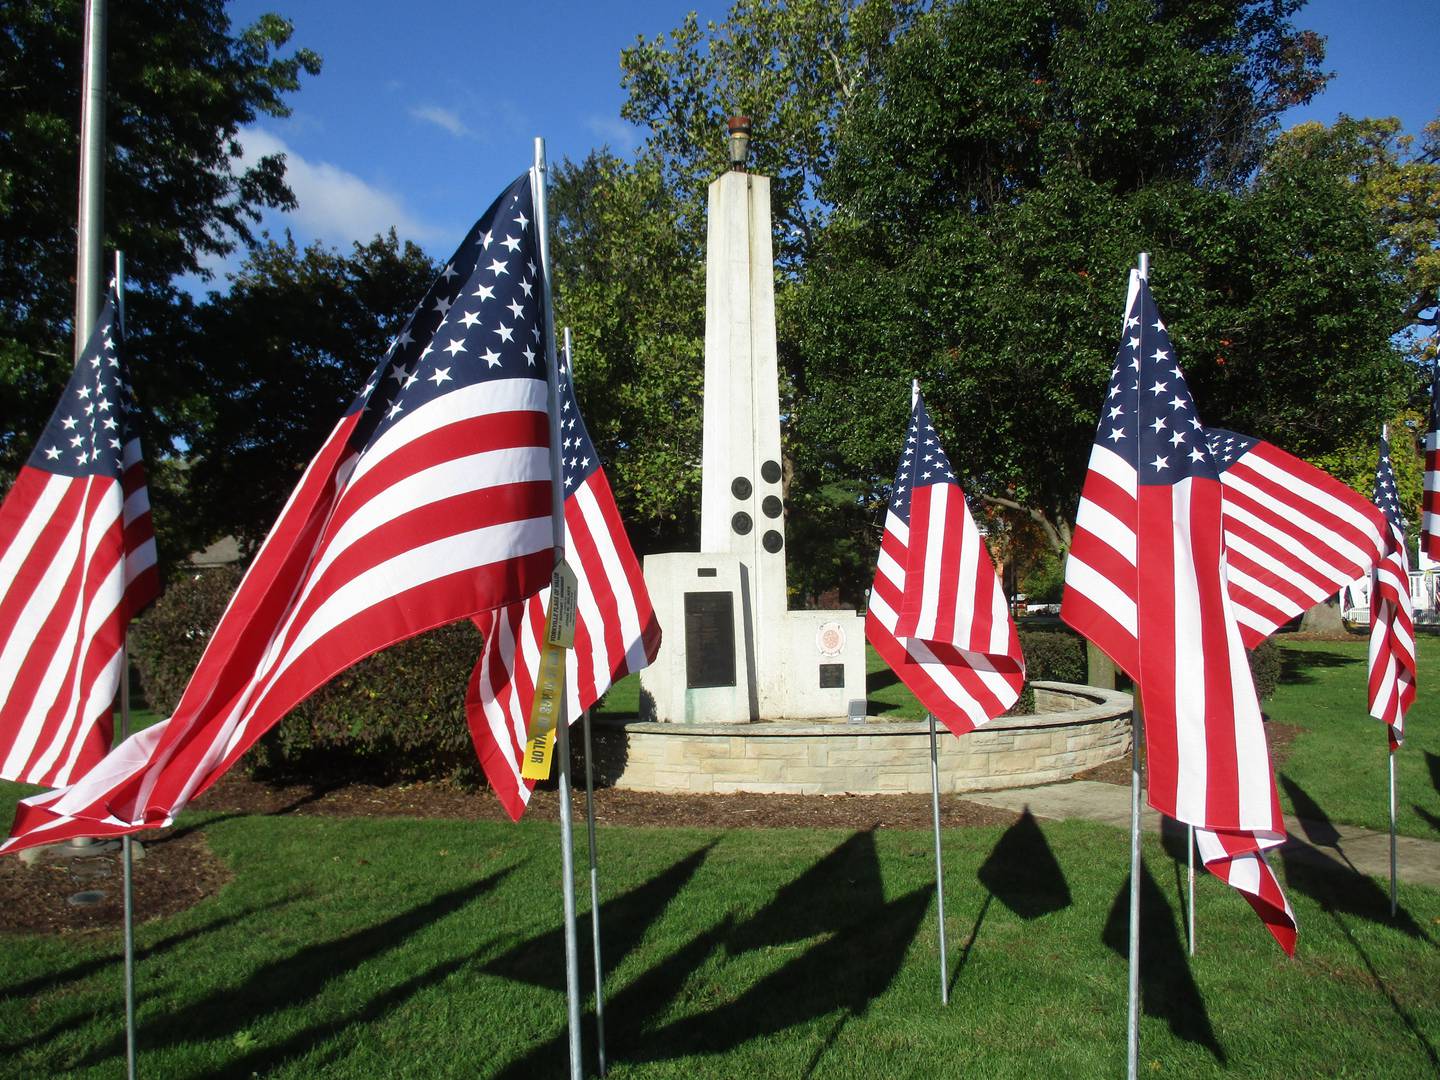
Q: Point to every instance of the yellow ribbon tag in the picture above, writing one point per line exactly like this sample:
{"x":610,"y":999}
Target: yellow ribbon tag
{"x":544,"y":713}
{"x":564,"y":597}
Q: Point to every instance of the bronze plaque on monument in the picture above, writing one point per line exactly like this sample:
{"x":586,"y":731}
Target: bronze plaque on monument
{"x":709,"y":640}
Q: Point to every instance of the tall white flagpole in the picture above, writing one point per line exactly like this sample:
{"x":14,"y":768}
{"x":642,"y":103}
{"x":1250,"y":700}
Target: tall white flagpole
{"x":127,"y":863}
{"x":1133,"y":1030}
{"x":562,"y":729}
{"x":590,"y":831}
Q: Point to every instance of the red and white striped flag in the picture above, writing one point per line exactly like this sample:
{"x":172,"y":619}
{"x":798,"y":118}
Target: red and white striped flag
{"x":1294,"y":535}
{"x":77,"y":561}
{"x":937,"y":614}
{"x":616,"y":633}
{"x":1430,"y":512}
{"x":1146,"y":581}
{"x":428,"y":503}
{"x":1392,"y":617}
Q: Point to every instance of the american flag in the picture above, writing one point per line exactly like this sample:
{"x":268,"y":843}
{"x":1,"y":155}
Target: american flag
{"x":1294,"y":535}
{"x":1430,"y":519}
{"x":1392,"y":618}
{"x":77,"y":560}
{"x":937,"y":614}
{"x":428,"y":503}
{"x":1146,"y":581}
{"x":616,"y":633}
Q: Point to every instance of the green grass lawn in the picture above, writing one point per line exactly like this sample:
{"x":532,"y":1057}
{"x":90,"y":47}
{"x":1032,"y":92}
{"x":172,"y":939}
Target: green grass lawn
{"x":1337,"y":769}
{"x":402,"y":948}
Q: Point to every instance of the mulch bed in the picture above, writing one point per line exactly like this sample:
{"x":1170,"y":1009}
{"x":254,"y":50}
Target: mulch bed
{"x":178,"y":869}
{"x":1280,"y":737}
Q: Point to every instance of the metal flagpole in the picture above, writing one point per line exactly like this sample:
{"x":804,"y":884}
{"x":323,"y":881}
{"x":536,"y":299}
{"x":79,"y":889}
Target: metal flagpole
{"x":1392,"y":815}
{"x":90,"y":226}
{"x":562,"y":729}
{"x":1133,"y":1036}
{"x":126,"y":851}
{"x":590,"y":831}
{"x":939,"y":869}
{"x":594,"y":890}
{"x":1190,"y":891}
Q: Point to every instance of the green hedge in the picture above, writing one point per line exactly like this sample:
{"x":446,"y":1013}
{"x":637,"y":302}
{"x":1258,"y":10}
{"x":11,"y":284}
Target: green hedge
{"x":1265,"y":667}
{"x":397,"y":715}
{"x":1054,"y":655}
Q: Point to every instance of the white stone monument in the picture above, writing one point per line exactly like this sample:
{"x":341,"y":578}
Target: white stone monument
{"x":732,"y":651}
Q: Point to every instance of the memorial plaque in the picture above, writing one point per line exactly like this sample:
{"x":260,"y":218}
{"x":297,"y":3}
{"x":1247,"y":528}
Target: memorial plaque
{"x":741,"y":523}
{"x":772,"y":506}
{"x":709,"y":640}
{"x":770,"y":472}
{"x":832,"y":676}
{"x":772,"y":541}
{"x":740,"y":488}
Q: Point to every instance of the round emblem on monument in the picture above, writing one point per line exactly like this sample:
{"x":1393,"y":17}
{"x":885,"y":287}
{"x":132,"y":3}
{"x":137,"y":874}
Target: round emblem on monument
{"x":740,"y":488}
{"x":741,"y":523}
{"x":830,"y":639}
{"x":770,"y":472}
{"x":773,"y":541}
{"x":772,"y":506}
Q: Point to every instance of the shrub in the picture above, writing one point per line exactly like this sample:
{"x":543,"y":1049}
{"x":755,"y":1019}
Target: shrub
{"x":1054,"y":655}
{"x":1265,"y":667}
{"x":397,"y":715}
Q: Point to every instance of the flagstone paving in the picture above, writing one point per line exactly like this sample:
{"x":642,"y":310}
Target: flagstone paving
{"x":1324,"y":843}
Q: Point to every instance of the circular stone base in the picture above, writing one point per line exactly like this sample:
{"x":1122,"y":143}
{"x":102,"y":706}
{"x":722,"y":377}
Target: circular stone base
{"x":1074,"y":728}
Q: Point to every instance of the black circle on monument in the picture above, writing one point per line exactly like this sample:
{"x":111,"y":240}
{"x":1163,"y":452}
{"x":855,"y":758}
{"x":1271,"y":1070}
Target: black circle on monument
{"x":740,"y":488}
{"x":741,"y":523}
{"x":772,"y":506}
{"x":770,"y":472}
{"x":773,"y":541}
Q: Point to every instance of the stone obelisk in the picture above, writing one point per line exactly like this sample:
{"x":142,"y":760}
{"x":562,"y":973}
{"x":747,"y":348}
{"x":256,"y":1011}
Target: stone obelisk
{"x":732,"y":651}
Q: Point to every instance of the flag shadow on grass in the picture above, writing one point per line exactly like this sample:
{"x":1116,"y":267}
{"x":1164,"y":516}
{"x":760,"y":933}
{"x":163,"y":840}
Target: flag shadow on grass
{"x":1333,"y":881}
{"x":1167,"y":988}
{"x":298,"y":977}
{"x":1295,"y":665}
{"x":1432,"y":761}
{"x":1023,"y":873}
{"x":50,"y":981}
{"x":863,"y":942}
{"x":624,"y":921}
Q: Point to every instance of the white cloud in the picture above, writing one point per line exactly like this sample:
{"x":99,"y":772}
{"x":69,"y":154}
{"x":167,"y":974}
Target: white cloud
{"x":620,"y":135}
{"x":442,"y":118}
{"x":335,"y":206}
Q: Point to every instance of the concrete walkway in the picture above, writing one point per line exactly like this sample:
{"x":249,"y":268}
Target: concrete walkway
{"x":1323,"y":843}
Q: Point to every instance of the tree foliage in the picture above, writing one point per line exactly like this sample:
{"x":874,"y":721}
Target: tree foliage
{"x":180,"y":86}
{"x":632,"y":286}
{"x":271,"y":364}
{"x":992,"y":188}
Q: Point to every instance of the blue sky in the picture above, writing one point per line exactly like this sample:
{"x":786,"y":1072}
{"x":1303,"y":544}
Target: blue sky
{"x":419,"y":116}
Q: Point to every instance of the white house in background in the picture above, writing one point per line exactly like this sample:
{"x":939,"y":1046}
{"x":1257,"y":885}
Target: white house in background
{"x":1424,"y":597}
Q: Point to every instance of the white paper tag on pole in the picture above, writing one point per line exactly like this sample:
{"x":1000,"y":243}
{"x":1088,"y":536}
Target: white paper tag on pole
{"x":564,"y":597}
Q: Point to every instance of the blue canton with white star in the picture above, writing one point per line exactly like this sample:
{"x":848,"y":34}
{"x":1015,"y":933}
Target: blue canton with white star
{"x":1387,"y":496}
{"x":576,"y":449}
{"x":923,"y":462}
{"x":482,"y":320}
{"x":1149,"y":416}
{"x":96,"y":416}
{"x":1227,"y":447}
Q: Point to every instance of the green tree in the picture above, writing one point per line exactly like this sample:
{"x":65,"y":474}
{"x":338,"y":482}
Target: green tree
{"x":271,"y":364}
{"x":632,"y":285}
{"x":993,"y":186}
{"x":181,"y":84}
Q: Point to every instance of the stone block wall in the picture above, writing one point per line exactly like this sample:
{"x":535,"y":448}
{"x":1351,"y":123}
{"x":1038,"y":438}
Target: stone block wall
{"x":1074,"y":728}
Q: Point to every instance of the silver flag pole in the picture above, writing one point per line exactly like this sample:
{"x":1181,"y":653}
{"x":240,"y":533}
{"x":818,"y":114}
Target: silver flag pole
{"x":127,"y":863}
{"x":1133,"y":1016}
{"x":562,"y":729}
{"x":939,"y":868}
{"x":1393,"y":905}
{"x":1190,"y":891}
{"x":590,"y":831}
{"x":90,"y":225}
